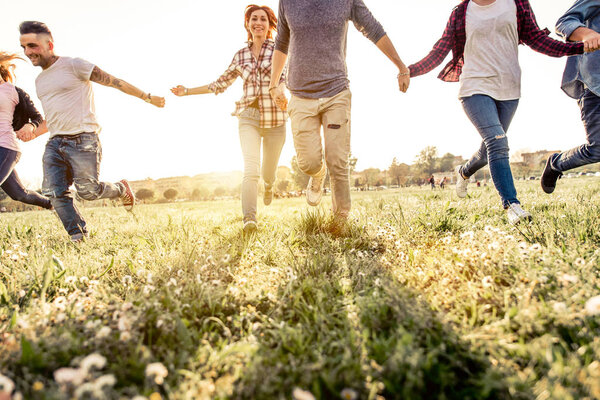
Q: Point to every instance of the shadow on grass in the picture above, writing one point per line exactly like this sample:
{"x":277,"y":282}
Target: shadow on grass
{"x":344,"y":322}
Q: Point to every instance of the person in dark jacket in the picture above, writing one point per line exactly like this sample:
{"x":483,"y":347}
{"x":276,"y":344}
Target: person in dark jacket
{"x":18,"y":116}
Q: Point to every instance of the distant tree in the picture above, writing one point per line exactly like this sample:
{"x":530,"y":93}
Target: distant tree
{"x":219,"y":191}
{"x":371,"y":176}
{"x":446,"y":162}
{"x":426,"y":160}
{"x":199,"y":193}
{"x":144,"y":194}
{"x":170,"y":194}
{"x":351,"y":163}
{"x":398,"y":172}
{"x":299,"y":178}
{"x":283,"y":186}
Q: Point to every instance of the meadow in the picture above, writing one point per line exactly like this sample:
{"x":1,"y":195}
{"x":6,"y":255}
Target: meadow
{"x":420,"y":296}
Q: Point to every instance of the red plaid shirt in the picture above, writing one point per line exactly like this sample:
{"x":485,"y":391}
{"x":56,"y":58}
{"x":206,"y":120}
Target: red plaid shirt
{"x":455,"y":36}
{"x":256,"y":75}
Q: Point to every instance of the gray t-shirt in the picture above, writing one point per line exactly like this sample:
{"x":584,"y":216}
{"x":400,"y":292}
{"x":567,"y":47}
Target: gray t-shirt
{"x":67,"y":98}
{"x":491,"y":52}
{"x":315,"y":33}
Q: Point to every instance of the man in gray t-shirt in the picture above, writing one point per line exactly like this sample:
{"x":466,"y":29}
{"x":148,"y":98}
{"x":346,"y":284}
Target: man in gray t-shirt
{"x":73,"y":152}
{"x":313,"y":33}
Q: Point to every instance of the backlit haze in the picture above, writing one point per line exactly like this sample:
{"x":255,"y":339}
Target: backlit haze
{"x":155,"y":45}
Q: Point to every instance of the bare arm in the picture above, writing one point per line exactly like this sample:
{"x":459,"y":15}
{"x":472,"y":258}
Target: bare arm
{"x":181,"y":90}
{"x":589,"y":37}
{"x":275,"y":89}
{"x":27,"y":133}
{"x":387,"y":47}
{"x":107,"y":79}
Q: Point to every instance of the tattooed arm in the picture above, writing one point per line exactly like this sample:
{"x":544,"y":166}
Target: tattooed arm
{"x":107,"y":79}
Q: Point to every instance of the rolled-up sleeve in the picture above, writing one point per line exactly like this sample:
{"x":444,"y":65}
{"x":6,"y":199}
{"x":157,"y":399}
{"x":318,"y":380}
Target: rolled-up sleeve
{"x":576,"y":16}
{"x":282,"y":41}
{"x":227,"y":78}
{"x":365,"y":22}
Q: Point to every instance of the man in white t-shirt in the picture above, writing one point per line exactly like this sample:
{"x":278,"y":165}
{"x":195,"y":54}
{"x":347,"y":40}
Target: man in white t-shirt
{"x":73,"y":152}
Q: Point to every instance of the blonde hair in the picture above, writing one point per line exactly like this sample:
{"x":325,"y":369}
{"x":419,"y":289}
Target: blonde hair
{"x":7,"y":66}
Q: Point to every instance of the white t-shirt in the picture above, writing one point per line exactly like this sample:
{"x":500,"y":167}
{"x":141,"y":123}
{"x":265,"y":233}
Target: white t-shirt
{"x":9,"y":98}
{"x":491,"y":51}
{"x":67,"y":98}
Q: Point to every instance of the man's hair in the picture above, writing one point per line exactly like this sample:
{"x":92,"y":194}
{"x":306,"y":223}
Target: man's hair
{"x":34,"y":27}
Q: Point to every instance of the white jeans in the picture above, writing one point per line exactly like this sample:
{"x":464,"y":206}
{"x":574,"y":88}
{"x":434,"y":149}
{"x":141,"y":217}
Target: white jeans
{"x":250,"y":140}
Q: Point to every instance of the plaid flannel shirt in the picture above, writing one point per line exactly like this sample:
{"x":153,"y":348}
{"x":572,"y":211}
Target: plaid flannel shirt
{"x":257,"y":76}
{"x":455,"y":36}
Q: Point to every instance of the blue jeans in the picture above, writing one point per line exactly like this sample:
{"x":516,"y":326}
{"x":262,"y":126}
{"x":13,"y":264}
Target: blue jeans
{"x":492,"y":119}
{"x":588,"y":153}
{"x":251,"y":136}
{"x":11,"y":184}
{"x":75,"y":160}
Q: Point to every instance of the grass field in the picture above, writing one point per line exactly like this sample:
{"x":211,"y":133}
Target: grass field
{"x":423,"y":296}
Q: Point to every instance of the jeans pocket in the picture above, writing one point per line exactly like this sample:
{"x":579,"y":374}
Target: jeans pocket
{"x":88,"y":142}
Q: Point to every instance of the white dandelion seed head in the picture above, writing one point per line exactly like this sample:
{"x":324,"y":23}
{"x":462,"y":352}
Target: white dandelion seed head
{"x":73,"y":376}
{"x":94,"y":360}
{"x":6,"y":384}
{"x":103,"y":332}
{"x":592,"y":306}
{"x":157,"y":372}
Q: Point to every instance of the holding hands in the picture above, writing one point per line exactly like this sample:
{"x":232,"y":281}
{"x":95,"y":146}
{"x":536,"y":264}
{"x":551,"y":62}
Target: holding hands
{"x":404,"y":80}
{"x":28,"y":132}
{"x":278,"y":96}
{"x":591,"y":42}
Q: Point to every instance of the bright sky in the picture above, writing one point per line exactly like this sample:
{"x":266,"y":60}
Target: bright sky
{"x":155,"y":45}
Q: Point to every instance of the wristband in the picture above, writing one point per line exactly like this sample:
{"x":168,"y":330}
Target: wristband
{"x":404,"y":73}
{"x":148,"y":99}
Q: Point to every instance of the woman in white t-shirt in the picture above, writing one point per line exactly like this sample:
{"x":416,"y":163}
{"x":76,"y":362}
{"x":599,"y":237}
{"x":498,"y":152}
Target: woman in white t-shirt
{"x":483,"y":36}
{"x":17,"y":113}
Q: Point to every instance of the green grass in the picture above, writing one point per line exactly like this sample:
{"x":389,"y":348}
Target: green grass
{"x":419,"y":296}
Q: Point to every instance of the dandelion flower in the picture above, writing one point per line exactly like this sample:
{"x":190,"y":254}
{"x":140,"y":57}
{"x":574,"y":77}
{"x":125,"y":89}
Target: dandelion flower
{"x":6,"y":384}
{"x":105,"y":380}
{"x":299,"y":394}
{"x":94,"y":360}
{"x":157,"y":372}
{"x":74,"y":376}
{"x":348,"y":394}
{"x":592,"y":306}
{"x":37,"y":386}
{"x":155,"y":396}
{"x":559,"y":307}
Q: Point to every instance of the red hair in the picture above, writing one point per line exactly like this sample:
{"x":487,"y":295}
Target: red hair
{"x":270,"y":15}
{"x":7,"y":66}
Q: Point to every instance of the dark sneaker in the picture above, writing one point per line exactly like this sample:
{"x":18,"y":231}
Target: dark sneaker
{"x":549,"y":176}
{"x":268,"y":195}
{"x":128,"y":198}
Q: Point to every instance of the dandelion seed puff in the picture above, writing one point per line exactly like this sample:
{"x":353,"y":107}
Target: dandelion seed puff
{"x":125,"y":336}
{"x":84,"y":280}
{"x":299,"y":394}
{"x":6,"y":384}
{"x":580,"y":262}
{"x":566,"y":279}
{"x":22,"y":294}
{"x":592,"y":306}
{"x":535,"y":247}
{"x":69,"y":280}
{"x":124,"y":324}
{"x":94,"y":360}
{"x":138,"y":397}
{"x":157,"y":372}
{"x":172,"y":282}
{"x":74,"y":376}
{"x":159,"y":323}
{"x":348,"y":394}
{"x":103,"y":332}
{"x":126,"y":306}
{"x":87,"y":387}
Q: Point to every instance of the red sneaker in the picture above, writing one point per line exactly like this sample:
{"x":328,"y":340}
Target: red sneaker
{"x":128,"y":198}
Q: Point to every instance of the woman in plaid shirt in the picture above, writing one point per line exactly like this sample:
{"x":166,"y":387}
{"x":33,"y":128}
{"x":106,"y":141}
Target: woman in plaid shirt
{"x":483,"y":36}
{"x":260,"y":120}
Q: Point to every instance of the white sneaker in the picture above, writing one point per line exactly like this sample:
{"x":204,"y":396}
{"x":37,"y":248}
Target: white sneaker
{"x":461,"y":183}
{"x":250,"y":227}
{"x":314,"y":190}
{"x":516,"y":214}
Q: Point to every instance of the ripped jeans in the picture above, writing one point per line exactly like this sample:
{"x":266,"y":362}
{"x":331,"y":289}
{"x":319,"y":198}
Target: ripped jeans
{"x":333,"y":114}
{"x":75,"y":160}
{"x":492,"y":119}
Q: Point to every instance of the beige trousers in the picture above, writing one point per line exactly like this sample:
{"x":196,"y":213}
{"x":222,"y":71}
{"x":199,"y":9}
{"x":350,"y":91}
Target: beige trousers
{"x":333,"y":114}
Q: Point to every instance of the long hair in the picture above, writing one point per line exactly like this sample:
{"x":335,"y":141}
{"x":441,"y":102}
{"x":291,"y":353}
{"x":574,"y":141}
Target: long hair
{"x":270,"y":15}
{"x":7,"y":66}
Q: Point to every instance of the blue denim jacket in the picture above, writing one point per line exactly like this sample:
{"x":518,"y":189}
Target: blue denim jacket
{"x":583,"y":70}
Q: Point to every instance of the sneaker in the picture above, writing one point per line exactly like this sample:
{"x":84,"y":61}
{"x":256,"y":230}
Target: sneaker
{"x":250,"y":227}
{"x":549,"y":176}
{"x":461,"y":183}
{"x":314,"y":189}
{"x":516,"y":214}
{"x":128,"y":198}
{"x":268,"y":195}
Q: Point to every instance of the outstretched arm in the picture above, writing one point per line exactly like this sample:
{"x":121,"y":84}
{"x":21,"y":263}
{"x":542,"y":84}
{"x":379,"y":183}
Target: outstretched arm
{"x":107,"y":79}
{"x":181,"y":90}
{"x":387,"y":47}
